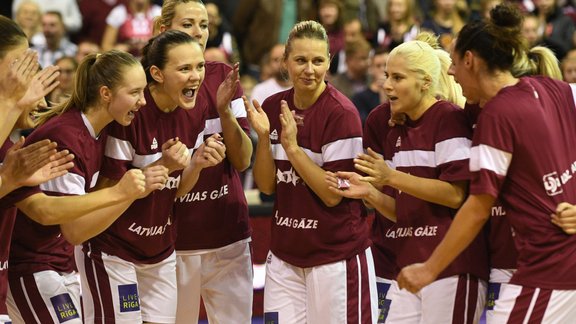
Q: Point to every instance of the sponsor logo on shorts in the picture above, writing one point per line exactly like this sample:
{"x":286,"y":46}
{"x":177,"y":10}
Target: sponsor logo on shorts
{"x":493,"y":294}
{"x":128,"y":295}
{"x":64,"y":307}
{"x":271,"y":318}
{"x":383,"y":303}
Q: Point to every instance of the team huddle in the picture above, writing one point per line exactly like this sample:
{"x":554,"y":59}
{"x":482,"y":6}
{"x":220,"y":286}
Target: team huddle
{"x":125,"y":204}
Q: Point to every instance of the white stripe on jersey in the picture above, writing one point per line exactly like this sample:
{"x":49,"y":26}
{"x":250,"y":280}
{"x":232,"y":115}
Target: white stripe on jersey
{"x":343,"y":149}
{"x":414,"y":158}
{"x":238,"y":108}
{"x":279,"y":154}
{"x":119,"y":149}
{"x":122,"y":150}
{"x":339,"y":150}
{"x":489,"y":158}
{"x":199,"y":141}
{"x":141,"y":161}
{"x":70,"y":183}
{"x":212,"y":126}
{"x":573,"y":86}
{"x":454,"y":149}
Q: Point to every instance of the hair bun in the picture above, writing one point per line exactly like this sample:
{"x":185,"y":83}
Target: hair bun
{"x":506,"y":15}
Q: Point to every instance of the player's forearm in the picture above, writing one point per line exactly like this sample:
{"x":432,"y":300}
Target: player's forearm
{"x":313,"y":175}
{"x":6,"y":186}
{"x":190,"y":177}
{"x":52,"y":210}
{"x":10,"y":114}
{"x":86,"y":227}
{"x":264,"y":170}
{"x":436,"y":191}
{"x":238,"y":143}
{"x":466,"y":225}
{"x":383,"y":203}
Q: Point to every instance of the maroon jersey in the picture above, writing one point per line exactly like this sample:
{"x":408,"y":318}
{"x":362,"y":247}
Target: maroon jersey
{"x":375,"y":131}
{"x":142,"y":234}
{"x":305,"y":232}
{"x":7,"y":219}
{"x":502,"y":251}
{"x":36,"y":247}
{"x":215,"y":212}
{"x":523,"y":153}
{"x":436,"y":146}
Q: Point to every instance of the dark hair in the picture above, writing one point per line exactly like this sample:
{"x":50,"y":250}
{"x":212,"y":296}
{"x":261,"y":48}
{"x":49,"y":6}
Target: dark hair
{"x":156,"y":51}
{"x":95,"y":71}
{"x":497,"y":41}
{"x":12,"y":35}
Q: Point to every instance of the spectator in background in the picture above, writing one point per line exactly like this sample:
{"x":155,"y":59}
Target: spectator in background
{"x":68,"y":66}
{"x":129,"y":26}
{"x":355,"y":79}
{"x":68,"y":9}
{"x":94,"y":13}
{"x":57,"y":43}
{"x":279,"y":79}
{"x":28,"y":17}
{"x":531,"y":30}
{"x":374,"y":95}
{"x":557,"y":29}
{"x":86,"y":48}
{"x":220,"y":35}
{"x":352,"y":33}
{"x":401,"y":26}
{"x":569,"y":67}
{"x":366,"y":11}
{"x":446,"y":20}
{"x":248,"y":82}
{"x":260,"y":24}
{"x":330,"y":16}
{"x":486,"y":6}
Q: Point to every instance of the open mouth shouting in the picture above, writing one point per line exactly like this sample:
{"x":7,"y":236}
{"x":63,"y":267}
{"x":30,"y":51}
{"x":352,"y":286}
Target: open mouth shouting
{"x":189,"y":95}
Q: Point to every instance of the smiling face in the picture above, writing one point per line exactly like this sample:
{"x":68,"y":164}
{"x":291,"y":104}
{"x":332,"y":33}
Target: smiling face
{"x":403,"y":87}
{"x":192,"y":18}
{"x":128,"y":96}
{"x":183,"y":74}
{"x":27,"y":119}
{"x":307,"y":64}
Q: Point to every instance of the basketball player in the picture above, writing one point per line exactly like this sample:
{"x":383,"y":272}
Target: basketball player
{"x":523,"y":157}
{"x":213,"y":260}
{"x":320,"y":266}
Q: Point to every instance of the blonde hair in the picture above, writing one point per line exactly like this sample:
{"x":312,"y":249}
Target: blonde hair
{"x":539,"y":60}
{"x":168,"y":13}
{"x":425,"y":56}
